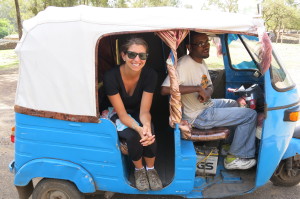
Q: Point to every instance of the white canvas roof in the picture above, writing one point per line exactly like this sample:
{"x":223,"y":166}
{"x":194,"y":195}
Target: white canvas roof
{"x":57,"y":50}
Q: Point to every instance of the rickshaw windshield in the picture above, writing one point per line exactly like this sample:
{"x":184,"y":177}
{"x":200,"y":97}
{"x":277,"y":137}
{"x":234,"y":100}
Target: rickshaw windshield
{"x":244,"y":55}
{"x":243,"y":52}
{"x":281,"y":80}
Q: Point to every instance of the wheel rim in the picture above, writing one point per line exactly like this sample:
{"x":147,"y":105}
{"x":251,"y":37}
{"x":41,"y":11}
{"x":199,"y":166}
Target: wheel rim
{"x":57,"y":194}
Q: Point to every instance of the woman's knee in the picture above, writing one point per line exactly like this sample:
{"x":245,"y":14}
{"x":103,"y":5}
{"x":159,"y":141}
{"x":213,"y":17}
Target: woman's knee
{"x":135,"y":149}
{"x":150,"y":151}
{"x":129,"y":135}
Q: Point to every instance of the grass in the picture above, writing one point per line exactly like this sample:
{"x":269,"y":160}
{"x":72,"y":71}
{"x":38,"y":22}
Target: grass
{"x":8,"y":58}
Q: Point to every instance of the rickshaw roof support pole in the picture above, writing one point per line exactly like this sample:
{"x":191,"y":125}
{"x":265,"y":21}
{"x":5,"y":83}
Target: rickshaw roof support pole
{"x":173,"y":38}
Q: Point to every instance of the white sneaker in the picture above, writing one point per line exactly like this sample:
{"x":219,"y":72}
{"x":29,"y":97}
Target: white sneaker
{"x":239,"y":163}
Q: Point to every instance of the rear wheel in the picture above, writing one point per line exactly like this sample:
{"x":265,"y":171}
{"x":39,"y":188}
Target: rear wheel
{"x":287,"y":175}
{"x":56,"y":189}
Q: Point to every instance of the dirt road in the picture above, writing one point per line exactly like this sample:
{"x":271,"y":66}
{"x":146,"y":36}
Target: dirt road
{"x":8,"y":81}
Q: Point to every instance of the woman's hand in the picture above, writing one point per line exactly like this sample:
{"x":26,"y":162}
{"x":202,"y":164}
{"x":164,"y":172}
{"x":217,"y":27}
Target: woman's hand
{"x":147,"y":130}
{"x":146,"y":141}
{"x":145,"y":118}
{"x":146,"y":135}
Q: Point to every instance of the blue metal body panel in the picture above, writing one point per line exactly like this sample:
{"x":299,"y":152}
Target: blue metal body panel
{"x":276,"y":134}
{"x":58,"y":169}
{"x":293,"y":149}
{"x":92,"y":148}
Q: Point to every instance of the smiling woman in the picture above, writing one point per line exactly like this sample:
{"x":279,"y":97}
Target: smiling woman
{"x":130,"y":88}
{"x":8,"y":58}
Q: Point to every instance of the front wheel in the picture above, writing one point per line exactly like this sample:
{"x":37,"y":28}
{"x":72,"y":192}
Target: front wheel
{"x":288,"y":173}
{"x":54,"y":188}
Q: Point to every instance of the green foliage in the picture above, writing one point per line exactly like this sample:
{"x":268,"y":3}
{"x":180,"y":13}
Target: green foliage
{"x":279,"y":14}
{"x":293,"y":3}
{"x":30,"y":8}
{"x":154,"y":3}
{"x":121,"y":4}
{"x":97,"y":3}
{"x":5,"y":28}
{"x":8,"y":11}
{"x":293,"y":21}
{"x":225,"y":5}
{"x":38,"y":5}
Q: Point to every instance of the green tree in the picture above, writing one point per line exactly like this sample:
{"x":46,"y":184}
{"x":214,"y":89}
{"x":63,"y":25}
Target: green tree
{"x":18,"y":14}
{"x":225,"y":5}
{"x":98,"y":3}
{"x":5,"y":28}
{"x":38,"y":5}
{"x":293,"y":3}
{"x":118,"y":3}
{"x":8,"y":11}
{"x":121,"y":4}
{"x":279,"y":15}
{"x":154,"y":3}
{"x":293,"y":21}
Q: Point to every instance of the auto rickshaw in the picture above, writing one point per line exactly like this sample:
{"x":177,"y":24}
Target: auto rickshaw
{"x":62,"y":139}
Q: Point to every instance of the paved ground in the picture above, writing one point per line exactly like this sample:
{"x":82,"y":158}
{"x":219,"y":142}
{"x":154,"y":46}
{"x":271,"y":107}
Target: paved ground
{"x":7,"y":190}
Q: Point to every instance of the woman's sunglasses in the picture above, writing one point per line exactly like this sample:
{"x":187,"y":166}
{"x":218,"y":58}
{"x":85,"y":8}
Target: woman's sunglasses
{"x":132,"y":55}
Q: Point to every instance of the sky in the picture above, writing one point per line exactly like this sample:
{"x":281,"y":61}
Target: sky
{"x":245,"y":6}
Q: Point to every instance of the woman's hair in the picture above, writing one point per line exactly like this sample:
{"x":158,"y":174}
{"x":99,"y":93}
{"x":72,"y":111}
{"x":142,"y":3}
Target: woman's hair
{"x":131,"y":41}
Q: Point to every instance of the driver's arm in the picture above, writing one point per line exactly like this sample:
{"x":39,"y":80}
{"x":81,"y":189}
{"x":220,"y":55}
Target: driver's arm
{"x":165,"y":90}
{"x":204,"y":93}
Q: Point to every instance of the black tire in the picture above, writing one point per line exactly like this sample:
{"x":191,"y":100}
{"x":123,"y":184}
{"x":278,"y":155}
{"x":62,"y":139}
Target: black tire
{"x":281,"y":177}
{"x":54,"y":188}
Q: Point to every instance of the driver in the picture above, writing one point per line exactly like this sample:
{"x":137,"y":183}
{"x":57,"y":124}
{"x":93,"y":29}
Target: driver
{"x":204,"y":113}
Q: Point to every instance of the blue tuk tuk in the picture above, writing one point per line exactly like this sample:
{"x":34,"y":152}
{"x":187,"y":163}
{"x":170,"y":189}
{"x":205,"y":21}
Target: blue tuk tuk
{"x":62,"y":139}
